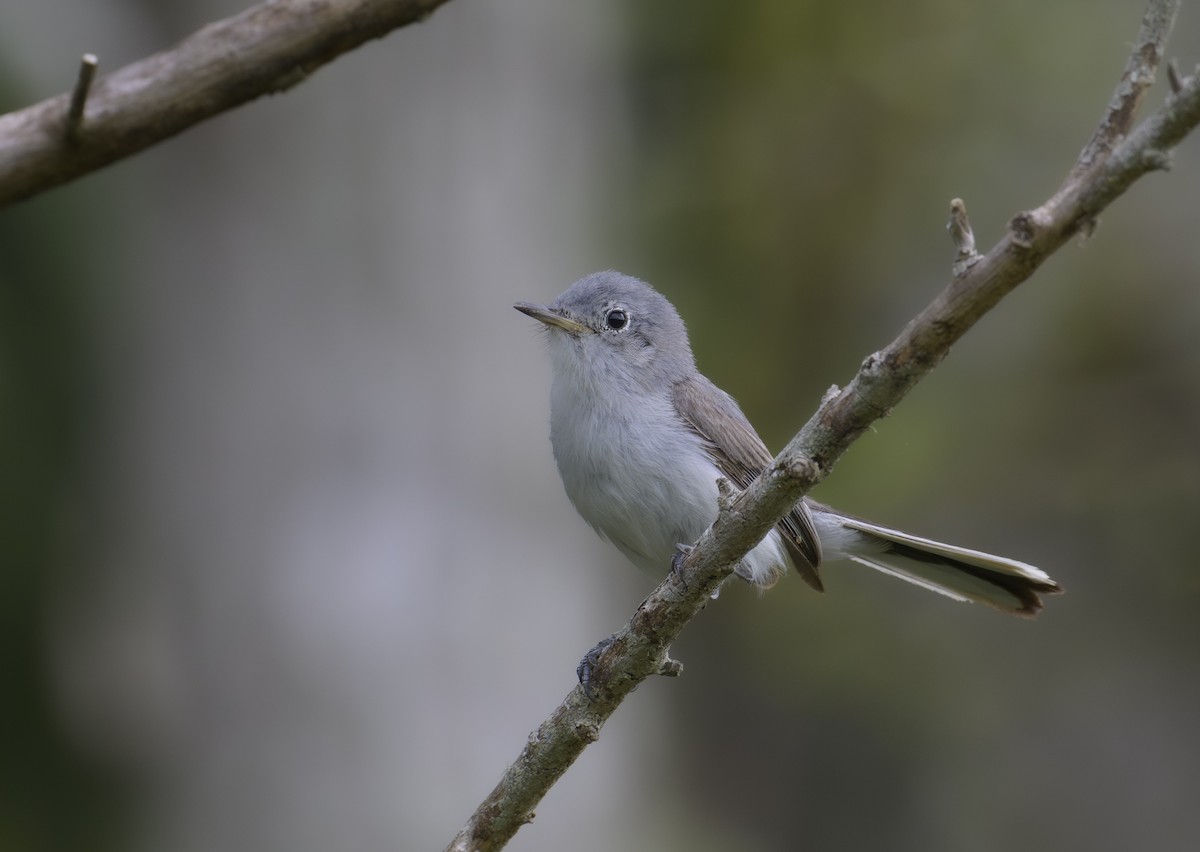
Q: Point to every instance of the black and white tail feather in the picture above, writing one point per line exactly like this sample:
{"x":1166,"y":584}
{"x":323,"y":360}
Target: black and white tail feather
{"x":958,"y":572}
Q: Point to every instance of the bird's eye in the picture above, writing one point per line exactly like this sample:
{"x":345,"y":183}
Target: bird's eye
{"x":616,"y":319}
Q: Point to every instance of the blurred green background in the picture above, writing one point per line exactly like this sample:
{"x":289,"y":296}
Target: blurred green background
{"x":286,"y":564}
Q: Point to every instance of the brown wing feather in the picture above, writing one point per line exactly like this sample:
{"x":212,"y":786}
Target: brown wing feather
{"x":741,"y":455}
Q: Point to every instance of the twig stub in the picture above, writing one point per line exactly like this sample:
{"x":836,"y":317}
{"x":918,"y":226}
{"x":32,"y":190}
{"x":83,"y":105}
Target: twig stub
{"x":83,"y":85}
{"x":959,"y":227}
{"x":1173,"y":78}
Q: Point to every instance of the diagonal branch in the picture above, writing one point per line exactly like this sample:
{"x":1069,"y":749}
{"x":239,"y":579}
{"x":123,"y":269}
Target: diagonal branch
{"x":267,"y":49}
{"x":639,"y":650}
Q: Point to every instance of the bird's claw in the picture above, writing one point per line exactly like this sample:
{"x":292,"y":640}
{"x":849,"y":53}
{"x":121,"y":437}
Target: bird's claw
{"x":584,"y":670}
{"x":680,"y":554}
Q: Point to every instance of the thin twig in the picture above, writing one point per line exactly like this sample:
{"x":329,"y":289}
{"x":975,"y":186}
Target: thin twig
{"x":83,"y":85}
{"x":639,"y":650}
{"x":1138,"y":76}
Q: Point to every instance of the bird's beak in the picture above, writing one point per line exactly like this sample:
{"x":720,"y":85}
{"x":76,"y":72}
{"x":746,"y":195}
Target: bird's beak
{"x":541,"y":313}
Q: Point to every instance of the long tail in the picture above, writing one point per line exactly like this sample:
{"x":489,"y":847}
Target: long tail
{"x":957,"y":572}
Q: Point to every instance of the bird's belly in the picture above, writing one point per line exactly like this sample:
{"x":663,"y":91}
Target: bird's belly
{"x":646,"y":484}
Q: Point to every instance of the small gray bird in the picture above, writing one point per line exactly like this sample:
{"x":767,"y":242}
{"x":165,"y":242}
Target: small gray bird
{"x":641,"y":438}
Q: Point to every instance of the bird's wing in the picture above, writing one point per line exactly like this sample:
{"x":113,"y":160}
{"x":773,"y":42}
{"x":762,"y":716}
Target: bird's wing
{"x":741,"y":456}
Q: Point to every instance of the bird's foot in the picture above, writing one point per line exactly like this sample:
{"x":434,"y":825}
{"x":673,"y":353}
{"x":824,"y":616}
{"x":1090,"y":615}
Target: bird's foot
{"x":681,"y":553}
{"x":588,"y":664}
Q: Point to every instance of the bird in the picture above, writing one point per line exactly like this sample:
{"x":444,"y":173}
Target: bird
{"x":641,"y":438}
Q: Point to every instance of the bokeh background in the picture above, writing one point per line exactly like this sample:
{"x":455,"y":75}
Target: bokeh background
{"x":285,"y":561}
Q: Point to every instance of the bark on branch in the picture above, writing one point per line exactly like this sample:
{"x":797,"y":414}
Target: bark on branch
{"x":266,"y":49}
{"x":1109,"y":164}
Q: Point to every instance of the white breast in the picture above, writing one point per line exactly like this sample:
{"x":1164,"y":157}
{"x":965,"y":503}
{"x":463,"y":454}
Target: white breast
{"x":633,"y":471}
{"x":631,"y":466}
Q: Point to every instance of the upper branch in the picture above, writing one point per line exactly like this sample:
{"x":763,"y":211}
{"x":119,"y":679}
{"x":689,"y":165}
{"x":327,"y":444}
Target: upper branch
{"x":1116,"y":158}
{"x":268,"y":48}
